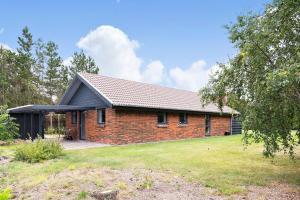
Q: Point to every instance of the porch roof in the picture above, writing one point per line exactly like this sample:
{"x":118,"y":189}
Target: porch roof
{"x":45,"y":108}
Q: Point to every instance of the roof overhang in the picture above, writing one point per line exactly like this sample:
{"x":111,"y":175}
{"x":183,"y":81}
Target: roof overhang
{"x":46,"y":108}
{"x":78,"y":79}
{"x":138,"y":108}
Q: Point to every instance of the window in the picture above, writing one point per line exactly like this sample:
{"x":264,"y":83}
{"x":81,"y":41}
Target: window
{"x":182,"y":118}
{"x":207,"y":125}
{"x":74,"y":117}
{"x":101,"y":116}
{"x":162,"y":118}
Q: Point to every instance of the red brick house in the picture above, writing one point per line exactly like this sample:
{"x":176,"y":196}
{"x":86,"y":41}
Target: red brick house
{"x":119,"y":111}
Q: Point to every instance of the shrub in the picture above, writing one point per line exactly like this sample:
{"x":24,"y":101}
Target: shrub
{"x":5,"y":194}
{"x":54,"y":131}
{"x":50,"y":131}
{"x":39,"y":150}
{"x":8,"y":128}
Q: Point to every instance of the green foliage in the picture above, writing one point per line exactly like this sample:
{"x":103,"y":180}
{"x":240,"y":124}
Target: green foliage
{"x":8,"y":128}
{"x":5,"y":194}
{"x":263,"y":80}
{"x":82,"y":63}
{"x":54,"y":79}
{"x":82,"y":195}
{"x":22,"y":73}
{"x":7,"y":77}
{"x":39,"y":150}
{"x":55,"y":131}
{"x":35,"y":74}
{"x":25,"y":83}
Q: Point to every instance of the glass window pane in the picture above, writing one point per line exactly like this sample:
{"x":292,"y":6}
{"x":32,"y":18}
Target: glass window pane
{"x":74,"y":117}
{"x":101,"y":116}
{"x":182,"y":118}
{"x":161,"y":118}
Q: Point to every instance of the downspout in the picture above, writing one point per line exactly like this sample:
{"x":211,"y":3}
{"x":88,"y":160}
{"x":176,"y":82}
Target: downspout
{"x":231,"y":121}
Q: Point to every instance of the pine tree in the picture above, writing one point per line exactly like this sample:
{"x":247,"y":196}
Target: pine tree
{"x":53,"y":76}
{"x":63,"y":81}
{"x":35,"y":74}
{"x":7,"y":76}
{"x":82,"y":63}
{"x":39,"y":71}
{"x":24,"y":79}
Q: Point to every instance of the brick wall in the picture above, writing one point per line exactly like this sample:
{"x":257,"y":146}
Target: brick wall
{"x":127,"y":126}
{"x":134,"y":126}
{"x":220,"y":125}
{"x":101,"y":132}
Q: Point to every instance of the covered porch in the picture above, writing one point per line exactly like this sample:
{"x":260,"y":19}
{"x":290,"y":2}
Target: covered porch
{"x":31,"y":118}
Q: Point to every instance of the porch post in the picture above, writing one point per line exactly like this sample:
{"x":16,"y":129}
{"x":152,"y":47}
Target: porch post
{"x":41,"y":124}
{"x":58,"y":120}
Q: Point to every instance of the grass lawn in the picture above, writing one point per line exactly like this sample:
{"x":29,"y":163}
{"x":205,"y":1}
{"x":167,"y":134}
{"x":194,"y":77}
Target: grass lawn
{"x":217,"y":162}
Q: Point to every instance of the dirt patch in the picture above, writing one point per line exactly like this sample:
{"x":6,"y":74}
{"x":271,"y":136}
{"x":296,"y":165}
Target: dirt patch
{"x":133,"y":184}
{"x":273,"y":192}
{"x":5,"y":159}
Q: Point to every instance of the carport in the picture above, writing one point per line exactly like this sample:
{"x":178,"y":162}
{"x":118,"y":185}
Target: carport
{"x":31,"y":118}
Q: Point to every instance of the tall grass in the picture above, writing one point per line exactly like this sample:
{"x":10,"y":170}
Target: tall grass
{"x":4,"y":195}
{"x":39,"y":150}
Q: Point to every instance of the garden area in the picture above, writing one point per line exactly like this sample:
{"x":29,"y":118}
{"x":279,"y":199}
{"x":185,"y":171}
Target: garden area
{"x":215,"y":167}
{"x":260,"y":80}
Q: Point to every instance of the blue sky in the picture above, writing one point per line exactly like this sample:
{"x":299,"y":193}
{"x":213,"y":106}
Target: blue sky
{"x":172,"y":43}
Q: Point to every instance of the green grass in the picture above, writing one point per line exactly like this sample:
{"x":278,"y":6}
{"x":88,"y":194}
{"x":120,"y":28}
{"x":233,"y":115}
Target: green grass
{"x":82,"y":195}
{"x":218,"y":162}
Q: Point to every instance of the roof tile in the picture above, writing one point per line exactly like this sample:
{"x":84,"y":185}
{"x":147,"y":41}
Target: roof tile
{"x":122,"y":92}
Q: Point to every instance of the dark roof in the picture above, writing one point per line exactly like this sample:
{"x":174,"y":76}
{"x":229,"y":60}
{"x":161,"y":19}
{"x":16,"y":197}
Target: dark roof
{"x":44,"y":108}
{"x":125,"y":93}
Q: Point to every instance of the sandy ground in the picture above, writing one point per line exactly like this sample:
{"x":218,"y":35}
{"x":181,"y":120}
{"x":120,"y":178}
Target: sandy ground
{"x":136,"y":184}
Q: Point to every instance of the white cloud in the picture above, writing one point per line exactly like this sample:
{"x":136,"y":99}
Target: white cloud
{"x":192,"y":78}
{"x":115,"y":54}
{"x":113,"y":51}
{"x":5,"y":46}
{"x":154,"y":72}
{"x":67,"y":61}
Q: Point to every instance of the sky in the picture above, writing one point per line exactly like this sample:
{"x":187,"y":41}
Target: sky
{"x":171,"y":43}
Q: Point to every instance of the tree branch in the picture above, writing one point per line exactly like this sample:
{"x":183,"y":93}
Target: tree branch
{"x":265,"y":54}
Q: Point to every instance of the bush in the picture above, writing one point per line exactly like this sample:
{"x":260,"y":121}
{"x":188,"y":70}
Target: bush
{"x":50,"y":131}
{"x":39,"y":150}
{"x":5,"y":194}
{"x":8,"y":128}
{"x":55,"y":131}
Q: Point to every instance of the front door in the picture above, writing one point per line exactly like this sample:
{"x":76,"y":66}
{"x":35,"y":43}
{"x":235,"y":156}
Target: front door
{"x":82,"y":126}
